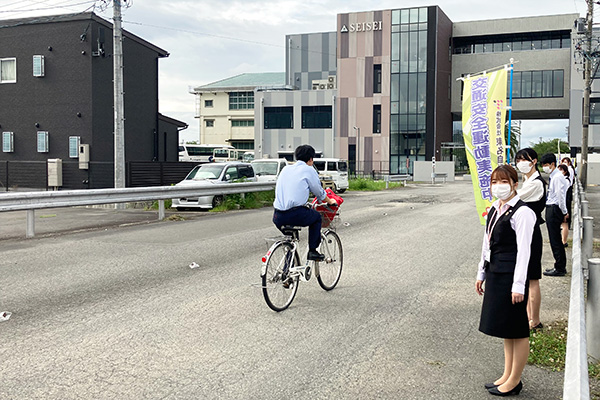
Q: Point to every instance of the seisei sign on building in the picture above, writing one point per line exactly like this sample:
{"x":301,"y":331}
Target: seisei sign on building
{"x":362,"y":27}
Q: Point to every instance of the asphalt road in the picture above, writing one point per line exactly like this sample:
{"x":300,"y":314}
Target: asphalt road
{"x":118,"y":314}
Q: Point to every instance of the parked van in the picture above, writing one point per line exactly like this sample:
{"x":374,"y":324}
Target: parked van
{"x":268,"y":169}
{"x":337,"y":169}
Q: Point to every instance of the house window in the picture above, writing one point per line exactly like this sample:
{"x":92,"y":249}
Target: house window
{"x":242,"y":122}
{"x":209,"y":123}
{"x":376,"y":118}
{"x":208,"y":103}
{"x":38,"y":66}
{"x":241,"y":100}
{"x":7,"y":142}
{"x":42,"y":142}
{"x":8,"y":70}
{"x":316,"y":117}
{"x":74,"y":146}
{"x":377,"y":78}
{"x":279,"y":117}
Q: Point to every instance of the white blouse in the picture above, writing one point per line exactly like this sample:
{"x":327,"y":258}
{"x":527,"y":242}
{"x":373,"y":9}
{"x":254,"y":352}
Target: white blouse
{"x":532,"y":188}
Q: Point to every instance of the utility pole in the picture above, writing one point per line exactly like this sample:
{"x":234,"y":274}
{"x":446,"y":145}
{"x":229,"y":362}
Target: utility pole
{"x":586,"y":95}
{"x":118,"y":96}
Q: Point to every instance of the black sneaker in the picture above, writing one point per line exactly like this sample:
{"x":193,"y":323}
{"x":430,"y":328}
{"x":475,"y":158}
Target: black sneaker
{"x":314,"y":255}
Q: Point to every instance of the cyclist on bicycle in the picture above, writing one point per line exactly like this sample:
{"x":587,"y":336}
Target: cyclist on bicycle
{"x":291,"y":195}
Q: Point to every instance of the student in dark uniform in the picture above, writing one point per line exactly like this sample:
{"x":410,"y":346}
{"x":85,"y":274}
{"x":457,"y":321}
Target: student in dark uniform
{"x":533,"y":193}
{"x":503,"y":267}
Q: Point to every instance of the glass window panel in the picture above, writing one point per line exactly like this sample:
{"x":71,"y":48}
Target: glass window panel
{"x":395,"y":66}
{"x":403,"y":122}
{"x":558,"y":86}
{"x":423,"y":14}
{"x":394,"y":107}
{"x":404,"y":16}
{"x":74,"y":146}
{"x":536,"y":84}
{"x":565,"y":43}
{"x":422,"y":92}
{"x":422,"y":55}
{"x":414,"y":15}
{"x":594,"y":111}
{"x":413,"y":27}
{"x":422,"y":27}
{"x":507,"y":46}
{"x":412,"y":93}
{"x":555,"y":44}
{"x":536,"y":44}
{"x":394,"y":124}
{"x":478,"y":47}
{"x":403,"y":28}
{"x":526,"y":45}
{"x":546,"y":83}
{"x":546,"y":44}
{"x":395,"y":87}
{"x":395,"y":28}
{"x":395,"y":46}
{"x":517,"y":45}
{"x":8,"y":70}
{"x":412,"y":122}
{"x":526,"y":84}
{"x":497,"y":46}
{"x":403,"y":106}
{"x":394,"y":143}
{"x":395,"y":17}
{"x":413,"y":52}
{"x":421,"y":123}
{"x":404,"y":52}
{"x":516,"y":84}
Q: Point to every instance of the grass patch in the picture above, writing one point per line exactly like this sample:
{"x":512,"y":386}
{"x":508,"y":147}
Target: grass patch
{"x":364,"y":184}
{"x":48,"y":216}
{"x":246,"y":201}
{"x":548,"y":349}
{"x":154,"y":205}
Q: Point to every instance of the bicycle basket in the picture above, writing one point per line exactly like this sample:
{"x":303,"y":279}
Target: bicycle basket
{"x":328,"y":214}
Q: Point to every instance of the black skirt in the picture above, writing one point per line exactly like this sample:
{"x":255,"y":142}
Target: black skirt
{"x":534,"y":271}
{"x":499,"y":317}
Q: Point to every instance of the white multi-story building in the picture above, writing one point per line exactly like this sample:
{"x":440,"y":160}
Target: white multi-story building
{"x":225,"y":108}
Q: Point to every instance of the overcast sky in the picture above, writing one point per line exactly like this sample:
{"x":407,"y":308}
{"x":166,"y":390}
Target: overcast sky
{"x":213,"y":40}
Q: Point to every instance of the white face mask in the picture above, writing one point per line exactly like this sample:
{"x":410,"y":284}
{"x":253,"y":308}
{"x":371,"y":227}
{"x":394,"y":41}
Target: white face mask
{"x":524,"y":166}
{"x":501,"y":191}
{"x":547,"y":169}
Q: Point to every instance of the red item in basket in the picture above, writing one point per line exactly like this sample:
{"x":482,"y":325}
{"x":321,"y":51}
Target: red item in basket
{"x":328,"y":212}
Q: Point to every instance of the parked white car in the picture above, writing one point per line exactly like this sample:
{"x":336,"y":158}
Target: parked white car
{"x":337,"y":169}
{"x":268,"y":169}
{"x":210,"y":174}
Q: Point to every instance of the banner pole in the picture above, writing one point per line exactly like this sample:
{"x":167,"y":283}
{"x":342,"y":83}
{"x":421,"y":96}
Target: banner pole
{"x":509,"y":110}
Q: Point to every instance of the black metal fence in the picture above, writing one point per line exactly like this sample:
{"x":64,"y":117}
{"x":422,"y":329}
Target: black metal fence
{"x":33,"y":175}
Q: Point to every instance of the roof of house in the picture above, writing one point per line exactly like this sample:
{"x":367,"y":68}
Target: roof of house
{"x":11,"y":23}
{"x":172,"y":121}
{"x":246,"y":81}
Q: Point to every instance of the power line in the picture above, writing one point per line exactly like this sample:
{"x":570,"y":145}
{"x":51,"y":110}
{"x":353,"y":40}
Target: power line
{"x":49,"y":8}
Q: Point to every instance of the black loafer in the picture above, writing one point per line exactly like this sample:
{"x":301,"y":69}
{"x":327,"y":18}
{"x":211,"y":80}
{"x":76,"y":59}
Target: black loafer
{"x":314,"y":255}
{"x":555,"y":272}
{"x":516,"y":390}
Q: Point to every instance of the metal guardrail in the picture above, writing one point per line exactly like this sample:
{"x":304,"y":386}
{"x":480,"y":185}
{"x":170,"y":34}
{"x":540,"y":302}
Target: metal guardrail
{"x":576,"y":383}
{"x":31,"y":201}
{"x":396,"y":178}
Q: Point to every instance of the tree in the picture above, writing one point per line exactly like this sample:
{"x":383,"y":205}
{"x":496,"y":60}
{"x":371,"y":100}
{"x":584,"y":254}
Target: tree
{"x":551,"y":146}
{"x":515,"y":135}
{"x":192,"y":142}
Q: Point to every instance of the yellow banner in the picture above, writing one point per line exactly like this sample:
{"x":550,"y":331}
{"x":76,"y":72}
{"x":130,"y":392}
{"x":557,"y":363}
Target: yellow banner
{"x":483,"y":116}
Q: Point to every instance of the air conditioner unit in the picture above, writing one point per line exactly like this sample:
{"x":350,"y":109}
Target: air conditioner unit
{"x":322,"y":86}
{"x":330,"y":86}
{"x":315,"y":86}
{"x":331,"y":79}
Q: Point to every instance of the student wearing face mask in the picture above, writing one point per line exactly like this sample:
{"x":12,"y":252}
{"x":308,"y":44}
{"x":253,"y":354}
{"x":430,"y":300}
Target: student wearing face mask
{"x":533,"y":193}
{"x":556,"y":214}
{"x":503,"y":267}
{"x":570,"y":175}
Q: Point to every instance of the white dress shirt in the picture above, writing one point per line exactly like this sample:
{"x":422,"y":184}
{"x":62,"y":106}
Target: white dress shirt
{"x":294,"y":184}
{"x":522,"y":222}
{"x":557,"y":190}
{"x":532,"y":188}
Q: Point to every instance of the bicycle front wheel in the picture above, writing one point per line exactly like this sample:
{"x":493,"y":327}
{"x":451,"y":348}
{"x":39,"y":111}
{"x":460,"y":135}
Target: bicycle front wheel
{"x":330,"y":270}
{"x":278,"y":286}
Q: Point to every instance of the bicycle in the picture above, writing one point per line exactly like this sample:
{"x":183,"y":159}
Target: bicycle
{"x":282,"y":270}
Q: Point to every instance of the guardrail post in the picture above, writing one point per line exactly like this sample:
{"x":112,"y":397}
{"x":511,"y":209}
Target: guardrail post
{"x":593,"y":309}
{"x":30,"y":232}
{"x":161,"y":210}
{"x":585,"y":208}
{"x":587,"y":247}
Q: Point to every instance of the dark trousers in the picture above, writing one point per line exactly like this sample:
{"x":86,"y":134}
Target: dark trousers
{"x":301,"y":216}
{"x":554,"y":218}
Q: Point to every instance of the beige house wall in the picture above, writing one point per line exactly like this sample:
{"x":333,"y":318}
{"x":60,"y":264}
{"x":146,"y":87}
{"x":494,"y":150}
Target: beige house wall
{"x":222,"y":132}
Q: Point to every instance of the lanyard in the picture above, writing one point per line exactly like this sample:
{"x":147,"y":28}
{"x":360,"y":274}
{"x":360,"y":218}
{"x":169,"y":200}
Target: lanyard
{"x":497,"y":215}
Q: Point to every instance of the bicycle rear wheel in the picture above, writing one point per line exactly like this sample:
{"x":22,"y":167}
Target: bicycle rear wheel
{"x":278,"y":286}
{"x":330,"y":270}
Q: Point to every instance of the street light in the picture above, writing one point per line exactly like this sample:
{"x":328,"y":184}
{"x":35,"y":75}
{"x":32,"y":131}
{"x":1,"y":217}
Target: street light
{"x":357,"y":129}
